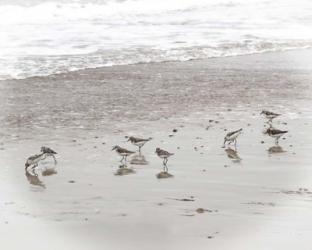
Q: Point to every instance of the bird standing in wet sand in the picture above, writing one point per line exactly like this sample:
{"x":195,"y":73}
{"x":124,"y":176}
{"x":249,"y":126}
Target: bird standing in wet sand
{"x":269,"y":115}
{"x":49,"y":152}
{"x":275,"y":133}
{"x":163,"y":155}
{"x":123,"y":152}
{"x":232,"y":137}
{"x":34,"y":160}
{"x":139,"y":142}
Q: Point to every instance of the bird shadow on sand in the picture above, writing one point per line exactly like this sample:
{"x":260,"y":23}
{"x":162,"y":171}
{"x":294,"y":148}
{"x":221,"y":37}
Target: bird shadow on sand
{"x":138,"y":159}
{"x":124,"y":170}
{"x":164,"y":174}
{"x":276,"y":149}
{"x":33,"y":175}
{"x":232,"y":154}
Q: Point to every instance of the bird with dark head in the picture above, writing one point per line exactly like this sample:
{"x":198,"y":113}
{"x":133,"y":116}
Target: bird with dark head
{"x":275,"y":133}
{"x":163,"y":154}
{"x":139,"y":142}
{"x":232,"y":137}
{"x":49,"y":152}
{"x":269,"y":115}
{"x":122,"y":152}
{"x":34,"y":160}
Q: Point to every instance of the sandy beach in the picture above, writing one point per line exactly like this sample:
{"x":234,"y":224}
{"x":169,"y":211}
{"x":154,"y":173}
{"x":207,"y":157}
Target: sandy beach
{"x":254,"y":199}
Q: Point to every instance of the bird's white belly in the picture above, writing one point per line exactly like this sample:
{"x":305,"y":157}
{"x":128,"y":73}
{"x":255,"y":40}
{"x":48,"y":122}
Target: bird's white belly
{"x":276,"y":135}
{"x":139,"y":144}
{"x":163,"y":156}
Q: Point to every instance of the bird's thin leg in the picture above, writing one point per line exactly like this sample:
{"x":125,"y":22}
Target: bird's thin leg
{"x":55,"y":161}
{"x":276,"y":140}
{"x":140,"y":150}
{"x":166,"y":168}
{"x":235,"y":142}
{"x":224,"y":143}
{"x":122,"y":158}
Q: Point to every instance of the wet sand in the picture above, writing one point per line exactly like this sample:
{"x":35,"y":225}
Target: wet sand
{"x":217,"y":199}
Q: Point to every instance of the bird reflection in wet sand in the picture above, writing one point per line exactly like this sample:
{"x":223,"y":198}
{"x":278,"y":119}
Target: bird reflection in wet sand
{"x":138,"y":159}
{"x":276,"y":149}
{"x":33,"y":178}
{"x":233,"y":154}
{"x":48,"y":172}
{"x":124,"y":170}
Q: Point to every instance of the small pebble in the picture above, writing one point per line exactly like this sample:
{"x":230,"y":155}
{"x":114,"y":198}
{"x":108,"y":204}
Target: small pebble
{"x":71,"y":181}
{"x":174,"y":130}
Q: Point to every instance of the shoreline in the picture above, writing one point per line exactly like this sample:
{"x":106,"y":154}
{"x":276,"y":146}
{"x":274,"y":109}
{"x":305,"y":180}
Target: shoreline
{"x":291,"y":50}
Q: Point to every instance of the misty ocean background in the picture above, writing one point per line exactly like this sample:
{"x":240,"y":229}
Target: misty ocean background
{"x":39,"y":38}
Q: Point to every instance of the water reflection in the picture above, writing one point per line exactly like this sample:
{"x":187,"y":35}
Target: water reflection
{"x":233,"y":155}
{"x":124,"y":170}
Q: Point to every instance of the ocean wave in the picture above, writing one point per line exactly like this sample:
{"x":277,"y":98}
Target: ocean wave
{"x":43,"y":37}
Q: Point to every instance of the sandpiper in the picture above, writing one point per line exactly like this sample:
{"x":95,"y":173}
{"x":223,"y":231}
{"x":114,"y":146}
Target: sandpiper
{"x":275,"y":133}
{"x":232,"y":137}
{"x":34,"y":160}
{"x":139,"y":142}
{"x":163,"y":155}
{"x":49,"y":152}
{"x":123,"y":152}
{"x":269,"y":115}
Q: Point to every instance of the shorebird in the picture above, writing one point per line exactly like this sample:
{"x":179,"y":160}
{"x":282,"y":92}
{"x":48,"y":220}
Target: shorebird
{"x":269,"y":115}
{"x":163,"y":155}
{"x":34,"y":160}
{"x":275,"y":133}
{"x":49,"y":152}
{"x":139,"y":142}
{"x":123,"y":152}
{"x":232,"y":137}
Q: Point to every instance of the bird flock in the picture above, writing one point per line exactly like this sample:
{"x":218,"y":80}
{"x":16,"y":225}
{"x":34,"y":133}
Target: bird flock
{"x":229,"y":138}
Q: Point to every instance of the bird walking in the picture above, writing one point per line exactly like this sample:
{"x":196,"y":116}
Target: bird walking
{"x":269,"y":115}
{"x":49,"y":152}
{"x":139,"y":142}
{"x":122,"y":152}
{"x":275,"y":133}
{"x":232,"y":137}
{"x":163,"y":155}
{"x":34,"y":160}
